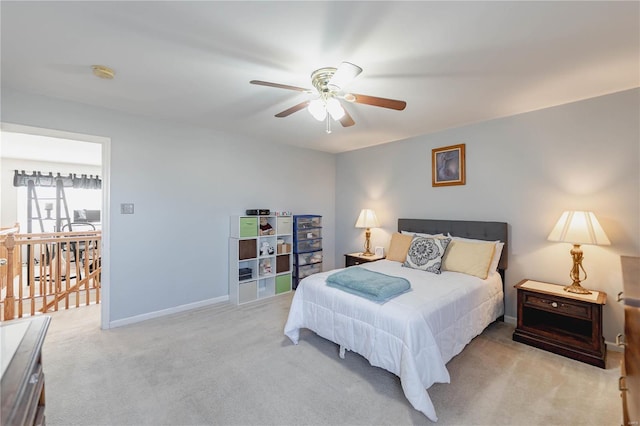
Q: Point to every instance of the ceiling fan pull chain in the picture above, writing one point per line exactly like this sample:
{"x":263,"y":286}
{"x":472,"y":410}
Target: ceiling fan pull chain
{"x":328,"y":124}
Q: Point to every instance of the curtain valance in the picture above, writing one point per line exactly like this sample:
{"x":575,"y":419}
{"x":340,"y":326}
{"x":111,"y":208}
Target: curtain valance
{"x":20,"y":178}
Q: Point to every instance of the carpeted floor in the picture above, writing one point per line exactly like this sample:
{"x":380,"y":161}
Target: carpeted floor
{"x":228,"y":365}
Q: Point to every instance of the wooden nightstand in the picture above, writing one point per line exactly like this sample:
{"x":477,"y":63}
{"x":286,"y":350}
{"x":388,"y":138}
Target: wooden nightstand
{"x":564,"y":323}
{"x":353,"y":259}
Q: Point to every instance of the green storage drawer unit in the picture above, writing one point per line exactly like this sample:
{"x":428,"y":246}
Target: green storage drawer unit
{"x":283,"y":283}
{"x":248,"y":227}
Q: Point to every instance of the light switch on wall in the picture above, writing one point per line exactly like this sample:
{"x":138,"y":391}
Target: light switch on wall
{"x":126,"y":208}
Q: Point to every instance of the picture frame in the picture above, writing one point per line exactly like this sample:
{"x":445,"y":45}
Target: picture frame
{"x":379,"y":251}
{"x":448,"y":165}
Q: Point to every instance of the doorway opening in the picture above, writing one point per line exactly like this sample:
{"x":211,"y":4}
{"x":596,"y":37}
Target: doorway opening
{"x":64,"y":156}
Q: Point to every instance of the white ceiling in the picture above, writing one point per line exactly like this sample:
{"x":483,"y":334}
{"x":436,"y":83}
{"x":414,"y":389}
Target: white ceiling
{"x":454,"y":63}
{"x":43,"y":148}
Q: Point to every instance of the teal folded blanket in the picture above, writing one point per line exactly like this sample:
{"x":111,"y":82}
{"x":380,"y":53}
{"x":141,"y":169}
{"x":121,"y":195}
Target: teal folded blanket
{"x":368,"y":284}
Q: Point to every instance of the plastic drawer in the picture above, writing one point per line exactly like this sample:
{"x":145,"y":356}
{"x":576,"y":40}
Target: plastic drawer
{"x":308,"y":222}
{"x":309,"y":234}
{"x":308,"y":258}
{"x":305,"y":271}
{"x":308,"y":245}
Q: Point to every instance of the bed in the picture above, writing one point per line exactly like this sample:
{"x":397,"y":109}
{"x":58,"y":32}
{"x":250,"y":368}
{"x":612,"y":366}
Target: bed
{"x":414,"y":334}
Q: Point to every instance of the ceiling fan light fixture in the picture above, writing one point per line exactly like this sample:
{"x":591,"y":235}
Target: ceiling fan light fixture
{"x":335,"y":109}
{"x":343,"y":76}
{"x":317,"y":109}
{"x":329,"y":84}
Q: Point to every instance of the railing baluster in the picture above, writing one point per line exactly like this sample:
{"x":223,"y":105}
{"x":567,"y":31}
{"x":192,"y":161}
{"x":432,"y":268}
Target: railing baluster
{"x":20,"y":291}
{"x":9,"y":300}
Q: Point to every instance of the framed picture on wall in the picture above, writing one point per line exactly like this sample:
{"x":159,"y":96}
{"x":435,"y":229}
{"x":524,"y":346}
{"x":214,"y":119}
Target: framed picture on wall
{"x":448,"y":166}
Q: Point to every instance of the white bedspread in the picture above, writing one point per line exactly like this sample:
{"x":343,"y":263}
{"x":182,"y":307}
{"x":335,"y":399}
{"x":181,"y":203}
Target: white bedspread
{"x":413,"y":335}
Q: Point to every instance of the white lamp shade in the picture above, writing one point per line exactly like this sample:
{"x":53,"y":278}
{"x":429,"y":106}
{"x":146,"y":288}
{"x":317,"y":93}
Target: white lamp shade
{"x":578,"y":227}
{"x":367,"y":219}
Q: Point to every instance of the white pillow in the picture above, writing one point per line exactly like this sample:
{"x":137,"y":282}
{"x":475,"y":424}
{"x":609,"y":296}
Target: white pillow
{"x":493,"y":267}
{"x":418,"y":234}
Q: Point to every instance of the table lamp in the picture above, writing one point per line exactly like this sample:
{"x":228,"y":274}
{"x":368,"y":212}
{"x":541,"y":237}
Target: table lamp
{"x":578,"y":227}
{"x":368,"y":220}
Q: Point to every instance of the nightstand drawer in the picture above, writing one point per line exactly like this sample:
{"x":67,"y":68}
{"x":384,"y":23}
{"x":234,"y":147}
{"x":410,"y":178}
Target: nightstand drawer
{"x":563,"y":307}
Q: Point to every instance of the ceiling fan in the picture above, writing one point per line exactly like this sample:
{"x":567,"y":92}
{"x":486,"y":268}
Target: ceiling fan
{"x":329,"y":84}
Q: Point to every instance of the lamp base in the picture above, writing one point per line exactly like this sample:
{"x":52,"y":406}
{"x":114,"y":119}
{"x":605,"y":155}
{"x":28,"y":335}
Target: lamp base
{"x":367,"y":253}
{"x":576,"y":288}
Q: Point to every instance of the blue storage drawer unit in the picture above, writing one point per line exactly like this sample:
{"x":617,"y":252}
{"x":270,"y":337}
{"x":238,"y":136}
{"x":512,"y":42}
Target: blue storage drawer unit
{"x":307,"y":246}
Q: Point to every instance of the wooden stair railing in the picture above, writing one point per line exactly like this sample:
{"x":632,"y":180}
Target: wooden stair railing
{"x":64,"y":267}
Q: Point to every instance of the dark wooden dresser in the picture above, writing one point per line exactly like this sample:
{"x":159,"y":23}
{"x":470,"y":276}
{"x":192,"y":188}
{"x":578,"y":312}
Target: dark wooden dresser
{"x":629,"y":383}
{"x":22,"y":380}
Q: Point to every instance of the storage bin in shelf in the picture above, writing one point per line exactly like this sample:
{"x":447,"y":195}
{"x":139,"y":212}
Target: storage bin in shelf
{"x":283,"y":263}
{"x":306,"y":270}
{"x":283,"y":283}
{"x":308,"y":258}
{"x":309,"y":222}
{"x":308,"y":245}
{"x":247,"y":249}
{"x":309,"y":234}
{"x":284,"y":225}
{"x":244,"y":227}
{"x":247,"y":291}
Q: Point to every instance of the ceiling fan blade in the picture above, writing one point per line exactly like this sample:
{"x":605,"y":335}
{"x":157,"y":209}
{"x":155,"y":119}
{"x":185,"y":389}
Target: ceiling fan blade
{"x":295,"y":108}
{"x":346,"y":119}
{"x":375,"y":101}
{"x":280,"y":86}
{"x":345,"y":73}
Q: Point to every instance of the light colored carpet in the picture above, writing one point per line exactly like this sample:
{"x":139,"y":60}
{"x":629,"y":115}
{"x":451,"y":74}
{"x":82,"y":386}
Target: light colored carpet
{"x":233,"y":365}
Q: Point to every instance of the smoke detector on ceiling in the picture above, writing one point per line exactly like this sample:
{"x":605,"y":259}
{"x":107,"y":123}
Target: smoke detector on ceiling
{"x":103,"y":72}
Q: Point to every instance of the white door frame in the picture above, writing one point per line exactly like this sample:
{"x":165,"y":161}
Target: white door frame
{"x":106,"y":202}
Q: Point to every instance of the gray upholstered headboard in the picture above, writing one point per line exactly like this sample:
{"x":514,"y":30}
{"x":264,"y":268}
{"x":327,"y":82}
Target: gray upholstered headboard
{"x":490,"y":231}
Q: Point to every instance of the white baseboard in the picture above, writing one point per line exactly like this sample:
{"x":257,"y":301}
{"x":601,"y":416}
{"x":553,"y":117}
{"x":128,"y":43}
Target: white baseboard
{"x":169,"y":311}
{"x":611,"y":346}
{"x":510,"y":320}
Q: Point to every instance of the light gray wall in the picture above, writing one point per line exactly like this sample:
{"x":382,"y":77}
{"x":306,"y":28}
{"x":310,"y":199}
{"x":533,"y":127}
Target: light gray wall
{"x":185,"y":183}
{"x":524,"y":170}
